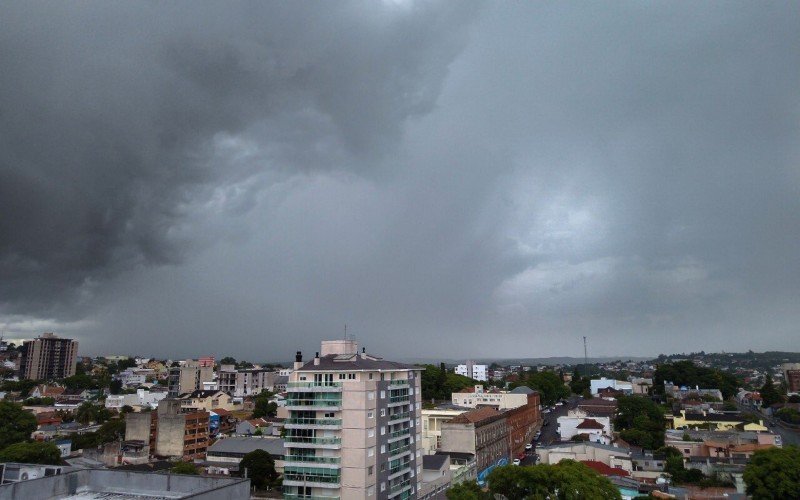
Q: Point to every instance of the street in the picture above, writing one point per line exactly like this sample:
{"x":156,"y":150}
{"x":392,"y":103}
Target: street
{"x":550,"y":428}
{"x":788,"y":436}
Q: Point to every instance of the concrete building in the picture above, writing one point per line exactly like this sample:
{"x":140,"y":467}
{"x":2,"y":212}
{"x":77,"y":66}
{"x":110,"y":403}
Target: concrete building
{"x":190,"y":376}
{"x":48,"y":357}
{"x":251,"y":382}
{"x":353,"y":429}
{"x":482,"y":433}
{"x":477,"y":396}
{"x":436,"y":477}
{"x":169,"y":432}
{"x":142,"y":399}
{"x":605,"y":383}
{"x":103,"y":483}
{"x":596,"y":429}
{"x":473,"y":371}
{"x":618,"y":458}
{"x":207,"y":400}
{"x":225,"y":455}
{"x":432,"y":426}
{"x":523,"y":421}
{"x":791,"y":373}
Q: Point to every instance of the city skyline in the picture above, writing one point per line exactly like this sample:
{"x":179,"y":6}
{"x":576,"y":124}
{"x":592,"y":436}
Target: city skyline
{"x":463,"y":181}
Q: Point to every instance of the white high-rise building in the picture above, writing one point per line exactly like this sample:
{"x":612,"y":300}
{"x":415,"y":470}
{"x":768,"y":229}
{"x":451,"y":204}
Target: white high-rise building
{"x":354,"y":426}
{"x":473,"y":371}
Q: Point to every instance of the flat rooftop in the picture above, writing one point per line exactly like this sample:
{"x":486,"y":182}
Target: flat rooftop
{"x":88,"y":484}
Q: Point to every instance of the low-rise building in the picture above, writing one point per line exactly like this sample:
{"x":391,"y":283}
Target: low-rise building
{"x":595,"y":430}
{"x":477,"y":396}
{"x":207,"y":400}
{"x":712,"y":421}
{"x":143,"y":398}
{"x":523,"y":421}
{"x":622,"y":386}
{"x":474,"y":371}
{"x":436,"y":477}
{"x":610,"y":455}
{"x":432,"y":420}
{"x":224,"y":455}
{"x":482,"y":433}
{"x":169,"y":432}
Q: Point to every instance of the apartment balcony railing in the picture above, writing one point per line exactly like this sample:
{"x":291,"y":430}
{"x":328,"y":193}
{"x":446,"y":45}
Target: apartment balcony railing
{"x":307,"y":460}
{"x":313,"y":402}
{"x":402,"y":433}
{"x":314,"y":386}
{"x":404,"y":415}
{"x":399,"y":384}
{"x":399,"y":487}
{"x":404,"y":398}
{"x":399,"y":450}
{"x":297,"y":496}
{"x":313,"y":440}
{"x":293,"y":423}
{"x":400,"y":467}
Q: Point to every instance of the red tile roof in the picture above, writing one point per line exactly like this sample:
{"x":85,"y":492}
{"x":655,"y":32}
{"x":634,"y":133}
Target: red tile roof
{"x":590,"y":423}
{"x":604,"y":469}
{"x":475,"y":416}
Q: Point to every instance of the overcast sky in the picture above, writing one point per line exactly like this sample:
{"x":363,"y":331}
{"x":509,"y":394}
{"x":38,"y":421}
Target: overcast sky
{"x":448,"y":179}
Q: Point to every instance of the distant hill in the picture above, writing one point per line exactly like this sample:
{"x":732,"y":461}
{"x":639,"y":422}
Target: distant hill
{"x":557,"y":360}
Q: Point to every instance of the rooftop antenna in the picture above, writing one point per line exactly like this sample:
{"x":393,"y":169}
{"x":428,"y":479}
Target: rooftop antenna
{"x":585,"y":359}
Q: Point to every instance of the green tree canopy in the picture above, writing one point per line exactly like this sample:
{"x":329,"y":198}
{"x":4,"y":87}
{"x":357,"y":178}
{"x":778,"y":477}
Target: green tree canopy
{"x":770,"y":394}
{"x":184,"y":468}
{"x":263,"y":407}
{"x":32,"y":453}
{"x":468,"y":490}
{"x":774,"y":473}
{"x":567,"y":480}
{"x":688,"y":374}
{"x":80,"y":382}
{"x":227,"y":360}
{"x":550,"y":386}
{"x":640,"y":422}
{"x":260,"y":469}
{"x":439,"y":383}
{"x":16,"y":424}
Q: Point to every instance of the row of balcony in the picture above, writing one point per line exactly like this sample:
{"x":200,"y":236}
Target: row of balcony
{"x":312,"y":459}
{"x":318,"y":422}
{"x":312,"y":440}
{"x":297,"y":496}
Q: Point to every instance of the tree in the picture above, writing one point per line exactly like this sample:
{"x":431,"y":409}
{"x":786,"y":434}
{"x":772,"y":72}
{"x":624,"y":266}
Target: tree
{"x":16,"y":424}
{"x":184,"y":468}
{"x":769,"y":393}
{"x":774,"y":473}
{"x":88,"y":413}
{"x":227,"y":360}
{"x":688,"y":374}
{"x":468,"y":490}
{"x":260,"y":468}
{"x":263,"y":406}
{"x":640,"y":422}
{"x":549,"y":385}
{"x":115,"y":387}
{"x":113,"y":430}
{"x":32,"y":453}
{"x":126,"y":409}
{"x":566,"y":480}
{"x":438,"y":383}
{"x":79,"y":382}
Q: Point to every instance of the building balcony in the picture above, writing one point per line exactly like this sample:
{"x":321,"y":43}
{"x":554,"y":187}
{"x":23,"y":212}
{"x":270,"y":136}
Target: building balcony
{"x":398,"y":435}
{"x":313,"y":423}
{"x":398,"y":418}
{"x":399,"y":400}
{"x":400,"y":487}
{"x":310,"y":404}
{"x":296,"y":496}
{"x":315,"y":478}
{"x":398,"y":384}
{"x":399,"y":451}
{"x":314,"y":387}
{"x":399,"y":470}
{"x":312,"y":442}
{"x":311,"y":461}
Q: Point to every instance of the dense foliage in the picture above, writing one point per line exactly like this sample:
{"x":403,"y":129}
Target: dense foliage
{"x":184,"y":468}
{"x":549,"y":384}
{"x":688,"y":374}
{"x":260,"y":468}
{"x":640,"y":422}
{"x":774,"y":473}
{"x":88,"y":413}
{"x":567,"y":480}
{"x":675,"y":467}
{"x":16,"y":424}
{"x":770,"y":394}
{"x":263,"y":407}
{"x":31,"y":453}
{"x":113,"y":430}
{"x":789,"y":415}
{"x":438,"y":383}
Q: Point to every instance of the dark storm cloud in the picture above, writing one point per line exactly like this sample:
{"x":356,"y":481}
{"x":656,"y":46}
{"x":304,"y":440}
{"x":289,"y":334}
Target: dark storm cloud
{"x":108,"y":115}
{"x":248,"y":180}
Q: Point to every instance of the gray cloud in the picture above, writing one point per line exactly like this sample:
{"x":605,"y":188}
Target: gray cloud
{"x":246,"y":180}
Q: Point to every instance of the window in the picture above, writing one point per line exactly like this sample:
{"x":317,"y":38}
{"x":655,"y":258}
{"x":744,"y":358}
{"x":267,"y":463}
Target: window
{"x":370,"y":491}
{"x":370,"y":470}
{"x":370,"y":414}
{"x":383,"y":486}
{"x":341,"y":376}
{"x":383,"y":466}
{"x":351,"y":376}
{"x":411,"y":392}
{"x":383,"y":448}
{"x":383,"y":412}
{"x":371,"y":433}
{"x":370,"y":376}
{"x":371,"y":452}
{"x":383,"y":394}
{"x":383,"y":431}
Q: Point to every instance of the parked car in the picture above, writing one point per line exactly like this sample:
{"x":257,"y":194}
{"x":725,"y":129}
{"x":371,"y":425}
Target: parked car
{"x":517,"y":461}
{"x":537,"y":435}
{"x":529,"y":446}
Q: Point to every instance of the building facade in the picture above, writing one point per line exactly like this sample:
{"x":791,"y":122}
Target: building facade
{"x":189,"y":377}
{"x":48,"y":357}
{"x":169,"y":432}
{"x":482,"y":433}
{"x":353,"y":429}
{"x":501,"y":400}
{"x":473,"y":371}
{"x":251,"y":382}
{"x":432,"y":420}
{"x":523,"y":421}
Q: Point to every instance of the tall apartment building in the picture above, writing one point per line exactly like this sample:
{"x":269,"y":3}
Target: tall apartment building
{"x":473,"y":371}
{"x":48,"y":357}
{"x":169,"y":432}
{"x":353,"y":427}
{"x":250,"y":382}
{"x":190,"y":376}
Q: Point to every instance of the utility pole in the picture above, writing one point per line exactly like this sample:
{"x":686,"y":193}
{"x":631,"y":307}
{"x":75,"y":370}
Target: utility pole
{"x":585,"y":359}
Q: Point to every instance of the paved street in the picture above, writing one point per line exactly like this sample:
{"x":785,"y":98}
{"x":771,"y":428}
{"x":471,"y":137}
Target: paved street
{"x":550,"y":427}
{"x":788,"y":436}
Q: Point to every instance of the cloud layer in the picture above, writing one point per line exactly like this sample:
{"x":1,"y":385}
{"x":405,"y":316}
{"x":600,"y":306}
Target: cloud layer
{"x":245,"y":180}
